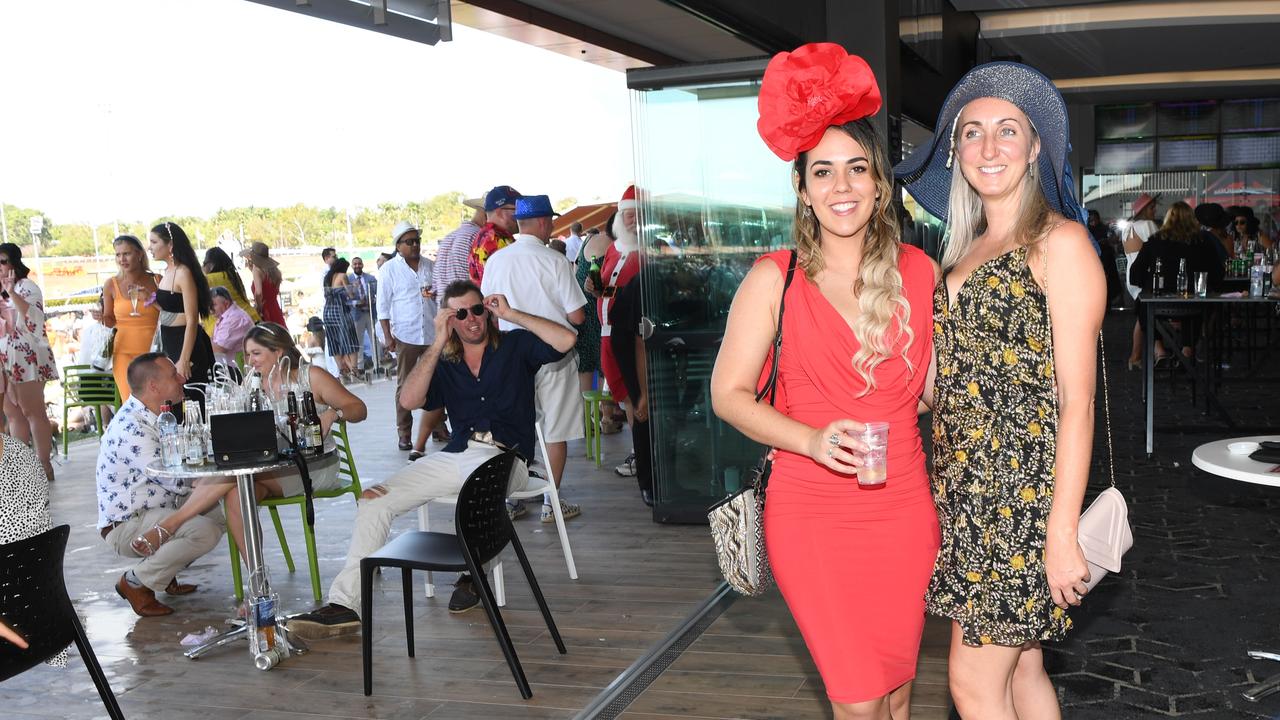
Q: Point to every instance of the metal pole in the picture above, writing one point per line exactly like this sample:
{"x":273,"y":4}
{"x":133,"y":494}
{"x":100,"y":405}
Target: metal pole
{"x":35,"y":248}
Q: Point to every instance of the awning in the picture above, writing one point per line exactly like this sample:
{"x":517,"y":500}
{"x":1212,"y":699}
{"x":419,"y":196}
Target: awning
{"x":589,"y":215}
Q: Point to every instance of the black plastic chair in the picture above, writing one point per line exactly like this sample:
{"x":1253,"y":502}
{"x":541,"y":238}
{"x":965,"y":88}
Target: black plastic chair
{"x":34,"y":602}
{"x":484,"y":530}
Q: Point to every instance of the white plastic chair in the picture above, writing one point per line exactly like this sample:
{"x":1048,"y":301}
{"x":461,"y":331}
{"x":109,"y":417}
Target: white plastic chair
{"x":532,"y":490}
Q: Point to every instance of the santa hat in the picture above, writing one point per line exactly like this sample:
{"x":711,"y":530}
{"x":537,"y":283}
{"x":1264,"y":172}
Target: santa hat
{"x":628,"y":201}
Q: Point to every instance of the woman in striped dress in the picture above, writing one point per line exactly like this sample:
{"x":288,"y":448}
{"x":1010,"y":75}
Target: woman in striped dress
{"x":339,"y":326}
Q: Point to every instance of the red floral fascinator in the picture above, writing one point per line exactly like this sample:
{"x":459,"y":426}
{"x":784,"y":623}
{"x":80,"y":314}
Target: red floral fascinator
{"x":810,"y":89}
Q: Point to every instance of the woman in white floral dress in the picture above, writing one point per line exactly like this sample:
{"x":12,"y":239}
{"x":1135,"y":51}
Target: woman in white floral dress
{"x":26,"y":359}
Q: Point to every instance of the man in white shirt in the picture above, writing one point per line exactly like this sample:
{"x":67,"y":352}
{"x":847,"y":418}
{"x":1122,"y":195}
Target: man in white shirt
{"x":573,"y":244}
{"x":132,"y":504}
{"x":537,"y":280}
{"x":406,"y":307}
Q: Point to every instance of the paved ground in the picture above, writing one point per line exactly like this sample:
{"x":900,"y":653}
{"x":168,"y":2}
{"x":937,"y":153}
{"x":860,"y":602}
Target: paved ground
{"x":1167,"y":636}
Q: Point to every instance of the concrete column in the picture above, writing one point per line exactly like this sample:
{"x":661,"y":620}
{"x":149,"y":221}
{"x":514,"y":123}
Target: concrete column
{"x":870,"y":29}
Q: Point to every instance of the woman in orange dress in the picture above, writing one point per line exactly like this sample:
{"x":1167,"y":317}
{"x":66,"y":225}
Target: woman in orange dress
{"x":852,"y":560}
{"x":128,"y":305}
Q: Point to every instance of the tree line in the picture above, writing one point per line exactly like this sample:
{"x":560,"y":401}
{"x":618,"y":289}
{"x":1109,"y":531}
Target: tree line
{"x":287,"y":227}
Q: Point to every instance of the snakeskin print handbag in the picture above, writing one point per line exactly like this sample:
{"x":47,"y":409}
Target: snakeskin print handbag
{"x":737,"y":522}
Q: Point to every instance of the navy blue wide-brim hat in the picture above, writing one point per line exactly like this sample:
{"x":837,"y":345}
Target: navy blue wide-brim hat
{"x":925,"y":173}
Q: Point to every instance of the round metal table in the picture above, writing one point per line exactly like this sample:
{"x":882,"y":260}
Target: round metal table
{"x":259,"y":585}
{"x":1216,"y":459}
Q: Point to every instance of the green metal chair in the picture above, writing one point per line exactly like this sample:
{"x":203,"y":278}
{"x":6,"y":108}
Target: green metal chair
{"x":346,"y":469}
{"x":591,"y":401}
{"x":83,"y":386}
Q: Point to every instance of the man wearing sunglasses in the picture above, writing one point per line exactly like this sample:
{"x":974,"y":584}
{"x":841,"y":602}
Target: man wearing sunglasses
{"x":539,"y":281}
{"x":485,"y":379}
{"x":406,"y":302}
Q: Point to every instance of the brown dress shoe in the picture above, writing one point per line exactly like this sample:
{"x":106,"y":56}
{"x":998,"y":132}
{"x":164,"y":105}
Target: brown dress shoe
{"x":177,"y":588}
{"x":141,"y":599}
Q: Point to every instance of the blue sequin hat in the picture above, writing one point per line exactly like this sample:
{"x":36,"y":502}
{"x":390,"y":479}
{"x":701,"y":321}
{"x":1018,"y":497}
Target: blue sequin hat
{"x":534,"y":206}
{"x":927,"y":172}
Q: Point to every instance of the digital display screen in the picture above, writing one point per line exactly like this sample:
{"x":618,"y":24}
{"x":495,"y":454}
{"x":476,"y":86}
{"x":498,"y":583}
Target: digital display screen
{"x":1191,"y":118}
{"x":1116,"y":122}
{"x":1251,"y":150}
{"x":1250,"y":115}
{"x":1189,"y":154}
{"x":1125,"y":157}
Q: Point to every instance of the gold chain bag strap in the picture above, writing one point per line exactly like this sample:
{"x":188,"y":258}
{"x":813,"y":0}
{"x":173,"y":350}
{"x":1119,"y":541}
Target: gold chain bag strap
{"x":1104,"y":532}
{"x":737,"y":522}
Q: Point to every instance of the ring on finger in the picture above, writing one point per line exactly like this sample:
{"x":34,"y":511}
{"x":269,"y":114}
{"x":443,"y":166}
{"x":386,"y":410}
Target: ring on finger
{"x":834,"y":439}
{"x":831,"y":452}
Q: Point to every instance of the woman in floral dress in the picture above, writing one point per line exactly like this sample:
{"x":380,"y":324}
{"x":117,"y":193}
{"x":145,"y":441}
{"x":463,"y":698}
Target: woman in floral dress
{"x":1016,"y":320}
{"x":26,"y":359}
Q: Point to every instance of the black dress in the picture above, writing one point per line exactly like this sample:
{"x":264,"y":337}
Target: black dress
{"x":171,"y":337}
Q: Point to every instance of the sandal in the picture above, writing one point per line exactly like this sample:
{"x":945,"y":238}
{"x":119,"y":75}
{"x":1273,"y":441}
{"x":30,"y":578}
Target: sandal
{"x":144,"y":547}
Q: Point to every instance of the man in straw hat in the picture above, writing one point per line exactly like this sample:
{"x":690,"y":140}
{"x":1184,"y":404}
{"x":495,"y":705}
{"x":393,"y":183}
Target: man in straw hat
{"x":406,"y":305}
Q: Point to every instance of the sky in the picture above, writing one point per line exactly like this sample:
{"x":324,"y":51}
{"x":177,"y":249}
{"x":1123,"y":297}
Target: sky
{"x":141,"y":109}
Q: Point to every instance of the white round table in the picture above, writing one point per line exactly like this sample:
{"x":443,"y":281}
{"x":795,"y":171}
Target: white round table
{"x":1216,"y":459}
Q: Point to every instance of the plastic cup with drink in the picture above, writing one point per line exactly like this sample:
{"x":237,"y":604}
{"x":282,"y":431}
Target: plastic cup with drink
{"x":874,"y":469}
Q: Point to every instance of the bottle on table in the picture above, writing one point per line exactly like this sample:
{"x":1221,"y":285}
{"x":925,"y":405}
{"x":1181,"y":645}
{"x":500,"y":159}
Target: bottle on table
{"x":1157,"y":279}
{"x":293,"y":421}
{"x":170,"y":440}
{"x":193,"y":445}
{"x":1183,"y":282}
{"x":257,"y":401}
{"x":311,"y":429}
{"x":1257,"y":278}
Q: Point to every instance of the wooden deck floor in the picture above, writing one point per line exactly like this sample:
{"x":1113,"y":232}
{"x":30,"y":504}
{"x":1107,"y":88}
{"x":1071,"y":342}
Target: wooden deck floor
{"x":637,"y":580}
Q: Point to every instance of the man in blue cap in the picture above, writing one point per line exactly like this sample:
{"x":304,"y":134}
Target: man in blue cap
{"x":538,"y":280}
{"x":500,"y":209}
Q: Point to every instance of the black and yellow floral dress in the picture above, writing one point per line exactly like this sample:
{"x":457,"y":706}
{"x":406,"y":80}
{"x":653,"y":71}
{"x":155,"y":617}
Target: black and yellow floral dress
{"x":994,"y":435}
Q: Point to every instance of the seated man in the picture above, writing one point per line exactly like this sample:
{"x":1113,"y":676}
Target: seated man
{"x":485,"y":380}
{"x":229,"y":331}
{"x":130,"y":502}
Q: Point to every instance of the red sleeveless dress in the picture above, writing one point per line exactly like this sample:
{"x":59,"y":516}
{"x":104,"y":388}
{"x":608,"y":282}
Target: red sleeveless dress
{"x":270,"y":310}
{"x":853,"y":563}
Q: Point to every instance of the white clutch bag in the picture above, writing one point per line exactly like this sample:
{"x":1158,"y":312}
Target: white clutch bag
{"x":1105,"y":535}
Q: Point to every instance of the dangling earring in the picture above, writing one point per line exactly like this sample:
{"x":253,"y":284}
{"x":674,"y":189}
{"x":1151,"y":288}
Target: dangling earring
{"x":1031,"y":169}
{"x":951,"y":153}
{"x":808,"y":211}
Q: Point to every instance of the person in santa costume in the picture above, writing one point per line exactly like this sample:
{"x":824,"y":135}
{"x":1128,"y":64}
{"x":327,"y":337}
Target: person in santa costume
{"x":621,"y":263}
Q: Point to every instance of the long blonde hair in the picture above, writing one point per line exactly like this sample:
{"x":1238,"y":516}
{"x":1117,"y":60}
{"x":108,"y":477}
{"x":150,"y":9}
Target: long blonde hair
{"x":879,"y":284}
{"x":966,"y":220}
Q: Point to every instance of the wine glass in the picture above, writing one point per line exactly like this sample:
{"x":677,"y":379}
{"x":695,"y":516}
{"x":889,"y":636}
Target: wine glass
{"x":135,"y":294}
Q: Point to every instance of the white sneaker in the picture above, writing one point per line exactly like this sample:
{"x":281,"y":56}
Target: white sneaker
{"x":516,"y":509}
{"x":628,"y":467}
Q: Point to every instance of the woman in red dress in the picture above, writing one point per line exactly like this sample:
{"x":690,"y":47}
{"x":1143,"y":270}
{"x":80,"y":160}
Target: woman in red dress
{"x":852,"y":561}
{"x":266,"y":282}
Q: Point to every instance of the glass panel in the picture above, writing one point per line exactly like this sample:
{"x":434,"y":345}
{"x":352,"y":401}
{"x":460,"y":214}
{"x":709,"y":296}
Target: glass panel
{"x":713,"y":199}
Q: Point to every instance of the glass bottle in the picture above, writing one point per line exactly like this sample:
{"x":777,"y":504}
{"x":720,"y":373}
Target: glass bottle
{"x":1157,"y":279}
{"x":257,"y":401}
{"x":170,"y":440}
{"x":1183,"y":282}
